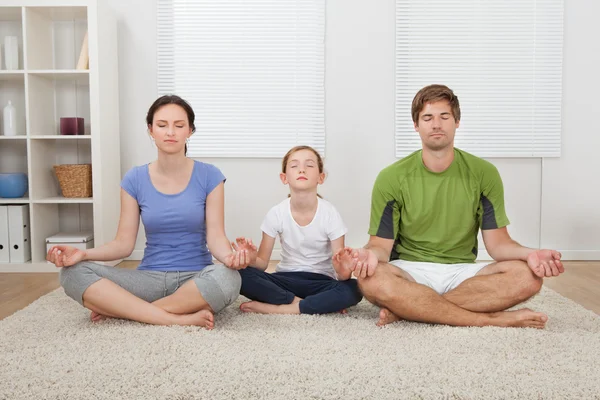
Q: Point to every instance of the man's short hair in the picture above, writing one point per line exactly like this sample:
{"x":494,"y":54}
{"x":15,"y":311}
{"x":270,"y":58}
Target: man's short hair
{"x":432,"y":94}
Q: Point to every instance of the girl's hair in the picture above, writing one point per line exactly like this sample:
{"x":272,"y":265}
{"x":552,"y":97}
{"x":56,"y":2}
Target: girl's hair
{"x":172,"y":99}
{"x":287,"y":156}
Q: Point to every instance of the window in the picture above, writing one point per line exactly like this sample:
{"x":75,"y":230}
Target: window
{"x":252,"y":70}
{"x":503,"y":59}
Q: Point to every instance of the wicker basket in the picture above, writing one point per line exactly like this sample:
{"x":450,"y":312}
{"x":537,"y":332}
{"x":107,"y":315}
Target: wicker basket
{"x":75,"y":179}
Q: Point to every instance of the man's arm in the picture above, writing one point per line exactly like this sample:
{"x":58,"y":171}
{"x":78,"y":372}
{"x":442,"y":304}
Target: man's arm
{"x":381,"y":247}
{"x":501,"y":247}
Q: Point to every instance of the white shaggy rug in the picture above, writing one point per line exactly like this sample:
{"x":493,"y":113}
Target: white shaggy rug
{"x":50,"y":350}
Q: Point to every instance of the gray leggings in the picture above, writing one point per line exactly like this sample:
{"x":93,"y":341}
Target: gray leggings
{"x":218,"y":285}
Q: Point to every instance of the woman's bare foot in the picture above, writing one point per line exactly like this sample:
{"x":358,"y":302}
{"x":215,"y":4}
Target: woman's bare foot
{"x":264,"y":308}
{"x":386,"y":317}
{"x":523,"y":318}
{"x":203,"y":318}
{"x":97,"y":317}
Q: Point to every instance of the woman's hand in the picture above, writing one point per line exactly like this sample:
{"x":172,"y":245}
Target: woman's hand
{"x":65,"y":256}
{"x":244,"y":254}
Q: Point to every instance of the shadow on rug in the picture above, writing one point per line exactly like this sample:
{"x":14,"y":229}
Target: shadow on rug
{"x":51,"y":350}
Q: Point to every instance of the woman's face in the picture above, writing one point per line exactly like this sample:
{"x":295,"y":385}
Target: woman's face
{"x":170,"y":128}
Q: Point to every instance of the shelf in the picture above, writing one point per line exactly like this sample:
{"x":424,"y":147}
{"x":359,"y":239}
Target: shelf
{"x":61,"y":137}
{"x":18,"y":137}
{"x":13,"y":90}
{"x":80,"y":76}
{"x":11,"y":24}
{"x":16,"y":75}
{"x":52,"y":218}
{"x":20,"y":200}
{"x":54,"y":95}
{"x":65,"y":200}
{"x":13,"y":156}
{"x":54,"y":36}
{"x":45,"y":154}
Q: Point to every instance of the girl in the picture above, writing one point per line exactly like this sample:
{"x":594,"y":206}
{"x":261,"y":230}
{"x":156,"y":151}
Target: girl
{"x":310,"y":229}
{"x":181,"y":204}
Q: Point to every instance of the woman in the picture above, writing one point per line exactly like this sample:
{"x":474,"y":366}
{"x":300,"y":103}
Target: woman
{"x":181,"y":203}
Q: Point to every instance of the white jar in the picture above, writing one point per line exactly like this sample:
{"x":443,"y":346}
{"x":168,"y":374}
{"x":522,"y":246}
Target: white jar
{"x":11,"y":52}
{"x":10,"y":120}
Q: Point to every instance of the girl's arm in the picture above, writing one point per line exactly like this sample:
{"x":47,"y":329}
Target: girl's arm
{"x":217,"y":242}
{"x":264,"y":252}
{"x":342,"y":272}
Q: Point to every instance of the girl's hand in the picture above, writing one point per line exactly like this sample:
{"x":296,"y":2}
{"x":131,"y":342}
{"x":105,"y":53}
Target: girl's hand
{"x":65,"y":256}
{"x":244,"y":254}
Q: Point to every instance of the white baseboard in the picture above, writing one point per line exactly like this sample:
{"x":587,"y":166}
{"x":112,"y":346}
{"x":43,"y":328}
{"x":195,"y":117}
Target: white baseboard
{"x":568,"y":255}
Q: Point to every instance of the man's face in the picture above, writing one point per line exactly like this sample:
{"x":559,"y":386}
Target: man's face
{"x":436,"y":126}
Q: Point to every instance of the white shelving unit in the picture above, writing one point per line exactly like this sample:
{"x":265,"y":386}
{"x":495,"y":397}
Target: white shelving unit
{"x":47,"y":87}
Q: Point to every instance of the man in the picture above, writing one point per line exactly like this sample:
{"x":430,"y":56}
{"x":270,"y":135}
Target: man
{"x":426,"y":211}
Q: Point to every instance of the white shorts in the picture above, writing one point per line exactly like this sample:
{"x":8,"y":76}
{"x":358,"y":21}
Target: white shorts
{"x":440,"y":277}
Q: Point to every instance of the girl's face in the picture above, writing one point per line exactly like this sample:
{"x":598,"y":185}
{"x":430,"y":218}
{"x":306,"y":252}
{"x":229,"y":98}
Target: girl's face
{"x":302,"y":171}
{"x":170,"y":129}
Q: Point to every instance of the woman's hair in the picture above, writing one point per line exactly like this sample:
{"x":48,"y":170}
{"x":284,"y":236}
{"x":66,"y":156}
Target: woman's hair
{"x":172,"y":99}
{"x":286,"y":158}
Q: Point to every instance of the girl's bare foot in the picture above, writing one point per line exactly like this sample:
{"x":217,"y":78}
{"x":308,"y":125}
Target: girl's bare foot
{"x":264,"y":308}
{"x":203,"y":318}
{"x":386,"y":317}
{"x":523,"y":318}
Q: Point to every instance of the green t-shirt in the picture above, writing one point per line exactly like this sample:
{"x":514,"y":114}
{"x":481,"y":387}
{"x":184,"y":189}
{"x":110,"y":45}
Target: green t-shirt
{"x":435,"y":217}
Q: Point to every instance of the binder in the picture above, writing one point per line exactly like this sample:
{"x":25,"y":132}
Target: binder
{"x":4,"y":244}
{"x":18,"y":233}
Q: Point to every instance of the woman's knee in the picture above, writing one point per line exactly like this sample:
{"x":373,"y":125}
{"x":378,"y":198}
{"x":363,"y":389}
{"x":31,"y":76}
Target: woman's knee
{"x":222,"y":287}
{"x":75,"y":279}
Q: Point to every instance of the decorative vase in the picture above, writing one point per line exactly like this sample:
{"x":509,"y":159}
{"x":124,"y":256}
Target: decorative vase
{"x":11,"y":52}
{"x":10,"y":120}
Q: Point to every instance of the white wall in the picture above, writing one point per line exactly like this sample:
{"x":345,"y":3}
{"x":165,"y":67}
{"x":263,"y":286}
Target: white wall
{"x":544,"y":202}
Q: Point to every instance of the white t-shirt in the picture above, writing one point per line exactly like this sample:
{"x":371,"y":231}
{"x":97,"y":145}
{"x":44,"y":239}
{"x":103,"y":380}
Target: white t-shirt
{"x":305,"y":248}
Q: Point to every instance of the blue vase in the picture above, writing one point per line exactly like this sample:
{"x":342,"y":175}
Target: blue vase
{"x":13,"y":186}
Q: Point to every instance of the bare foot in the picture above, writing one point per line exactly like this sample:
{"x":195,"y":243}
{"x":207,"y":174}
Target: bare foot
{"x":386,"y":317}
{"x":97,"y":317}
{"x":523,"y":318}
{"x":264,"y":308}
{"x":344,"y":311}
{"x":203,"y":318}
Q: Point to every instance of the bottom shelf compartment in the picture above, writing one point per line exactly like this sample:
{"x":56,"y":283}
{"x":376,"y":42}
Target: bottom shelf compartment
{"x":51,"y":219}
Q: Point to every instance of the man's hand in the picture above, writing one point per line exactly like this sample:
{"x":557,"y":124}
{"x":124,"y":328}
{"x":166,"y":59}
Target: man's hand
{"x":545,"y":263}
{"x":362,"y":262}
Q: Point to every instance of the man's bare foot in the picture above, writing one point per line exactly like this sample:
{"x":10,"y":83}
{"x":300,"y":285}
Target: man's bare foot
{"x":264,"y":308}
{"x":523,"y":318}
{"x":344,"y":311}
{"x":386,"y":317}
{"x":203,"y":318}
{"x":97,"y":317}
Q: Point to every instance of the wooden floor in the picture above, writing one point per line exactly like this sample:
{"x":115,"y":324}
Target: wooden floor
{"x":580,"y":283}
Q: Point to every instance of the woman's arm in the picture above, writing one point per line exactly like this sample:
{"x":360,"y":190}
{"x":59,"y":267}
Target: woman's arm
{"x":124,"y":243}
{"x":217,"y":241}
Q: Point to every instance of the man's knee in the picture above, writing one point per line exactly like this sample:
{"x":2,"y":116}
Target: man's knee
{"x":379,"y":287}
{"x":527,"y":283}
